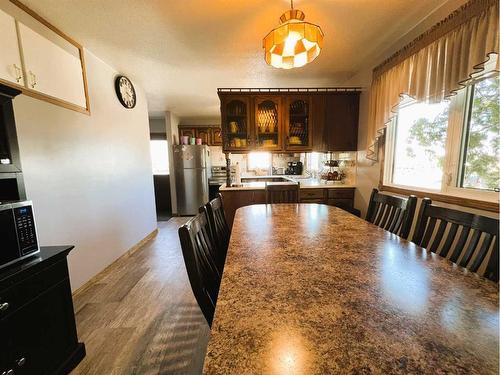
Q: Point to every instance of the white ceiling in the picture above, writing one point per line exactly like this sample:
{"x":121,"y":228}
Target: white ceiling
{"x":181,"y":51}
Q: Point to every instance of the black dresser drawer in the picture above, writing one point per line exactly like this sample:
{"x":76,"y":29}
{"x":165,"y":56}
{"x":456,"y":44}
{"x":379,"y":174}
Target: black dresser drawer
{"x":18,"y":295}
{"x":37,"y":323}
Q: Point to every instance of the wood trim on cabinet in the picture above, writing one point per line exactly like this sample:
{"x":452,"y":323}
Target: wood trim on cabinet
{"x":85,"y":83}
{"x":45,"y":97}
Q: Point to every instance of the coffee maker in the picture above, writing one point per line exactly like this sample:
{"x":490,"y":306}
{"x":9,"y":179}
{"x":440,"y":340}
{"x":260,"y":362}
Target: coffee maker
{"x":294,"y":168}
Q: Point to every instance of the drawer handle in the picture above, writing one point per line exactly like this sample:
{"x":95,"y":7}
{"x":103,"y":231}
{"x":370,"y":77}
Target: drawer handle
{"x":4,"y":306}
{"x":20,"y":362}
{"x":8,"y":372}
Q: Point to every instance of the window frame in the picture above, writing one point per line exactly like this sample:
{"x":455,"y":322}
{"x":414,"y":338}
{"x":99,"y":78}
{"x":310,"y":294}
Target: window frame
{"x":449,"y":192}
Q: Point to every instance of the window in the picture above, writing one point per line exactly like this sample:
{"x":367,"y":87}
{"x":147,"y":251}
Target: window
{"x":419,"y":145}
{"x":159,"y":156}
{"x":259,"y":160}
{"x":450,"y":147}
{"x":479,"y":167}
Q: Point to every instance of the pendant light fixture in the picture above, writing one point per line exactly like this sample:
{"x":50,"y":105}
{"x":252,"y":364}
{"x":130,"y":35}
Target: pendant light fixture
{"x":294,"y":43}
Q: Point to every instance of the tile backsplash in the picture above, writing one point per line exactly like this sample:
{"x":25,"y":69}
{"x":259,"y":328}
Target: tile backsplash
{"x":314,"y":162}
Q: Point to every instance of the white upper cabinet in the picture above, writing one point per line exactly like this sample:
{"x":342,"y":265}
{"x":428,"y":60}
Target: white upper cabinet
{"x":10,"y":59}
{"x":51,"y":69}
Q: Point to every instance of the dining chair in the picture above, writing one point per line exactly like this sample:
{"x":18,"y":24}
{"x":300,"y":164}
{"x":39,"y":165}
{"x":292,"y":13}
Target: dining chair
{"x":468,"y":236}
{"x":219,"y":228}
{"x":198,"y":252}
{"x":282,"y":192}
{"x":392,"y":213}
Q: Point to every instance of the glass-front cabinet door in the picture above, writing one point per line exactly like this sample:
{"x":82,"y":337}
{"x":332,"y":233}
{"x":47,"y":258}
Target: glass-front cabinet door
{"x":235,"y":123}
{"x":298,"y":123}
{"x":268,"y":123}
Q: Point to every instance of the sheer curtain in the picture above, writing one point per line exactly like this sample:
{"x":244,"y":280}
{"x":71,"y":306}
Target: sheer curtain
{"x":455,"y":52}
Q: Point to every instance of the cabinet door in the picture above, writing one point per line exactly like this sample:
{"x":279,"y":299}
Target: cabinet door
{"x":204,"y":134}
{"x":236,"y":130}
{"x":268,"y":123}
{"x":42,"y":332}
{"x":189,"y":132}
{"x":342,"y":114}
{"x":10,"y":59}
{"x":216,"y":137}
{"x":320,"y":130}
{"x":298,"y":124}
{"x":52,"y":69}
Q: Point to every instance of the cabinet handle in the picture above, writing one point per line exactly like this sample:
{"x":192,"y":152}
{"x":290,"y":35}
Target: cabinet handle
{"x":8,"y":372}
{"x":4,"y":306}
{"x":19,"y":73}
{"x":33,"y":79}
{"x":20,"y":362}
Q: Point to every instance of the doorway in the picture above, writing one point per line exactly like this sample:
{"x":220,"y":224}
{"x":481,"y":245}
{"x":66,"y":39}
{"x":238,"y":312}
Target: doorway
{"x":161,"y":176}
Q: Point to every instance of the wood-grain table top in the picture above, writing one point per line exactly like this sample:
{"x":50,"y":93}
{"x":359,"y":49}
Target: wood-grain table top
{"x":312,"y":289}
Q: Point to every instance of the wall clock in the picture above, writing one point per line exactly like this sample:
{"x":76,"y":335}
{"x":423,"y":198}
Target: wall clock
{"x":125,"y":92}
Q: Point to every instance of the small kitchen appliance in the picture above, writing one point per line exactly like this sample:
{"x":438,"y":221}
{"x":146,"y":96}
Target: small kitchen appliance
{"x":17,"y":232}
{"x":294,"y":168}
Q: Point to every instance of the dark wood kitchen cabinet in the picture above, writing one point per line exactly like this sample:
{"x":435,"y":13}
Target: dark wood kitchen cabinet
{"x":290,"y":120}
{"x":37,"y":319}
{"x":298,"y":123}
{"x":336,"y":121}
{"x":268,"y":123}
{"x":236,"y":114}
{"x":189,"y":132}
{"x":204,"y":135}
{"x":216,"y":136}
{"x":341,"y":119}
{"x":210,"y":135}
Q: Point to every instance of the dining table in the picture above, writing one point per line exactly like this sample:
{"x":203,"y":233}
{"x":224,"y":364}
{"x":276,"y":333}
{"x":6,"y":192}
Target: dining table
{"x":313,"y":289}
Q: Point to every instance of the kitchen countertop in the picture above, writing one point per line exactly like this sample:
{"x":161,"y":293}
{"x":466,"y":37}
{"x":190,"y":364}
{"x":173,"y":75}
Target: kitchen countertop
{"x":308,"y":183}
{"x":342,"y":296}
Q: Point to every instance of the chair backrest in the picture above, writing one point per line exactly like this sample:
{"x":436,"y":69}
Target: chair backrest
{"x":469,"y":237}
{"x":218,"y":227}
{"x":198,"y":252}
{"x":392,"y":213}
{"x":277,"y":192}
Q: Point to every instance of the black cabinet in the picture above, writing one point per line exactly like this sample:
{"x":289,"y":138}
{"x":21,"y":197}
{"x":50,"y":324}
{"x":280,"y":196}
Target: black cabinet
{"x":9,"y":149}
{"x":11,"y":177}
{"x":37,"y":319}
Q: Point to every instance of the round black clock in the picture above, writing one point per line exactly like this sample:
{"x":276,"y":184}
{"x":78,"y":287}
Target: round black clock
{"x":125,"y":92}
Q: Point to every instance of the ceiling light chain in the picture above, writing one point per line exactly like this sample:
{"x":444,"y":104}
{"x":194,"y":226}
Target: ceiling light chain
{"x":294,"y":43}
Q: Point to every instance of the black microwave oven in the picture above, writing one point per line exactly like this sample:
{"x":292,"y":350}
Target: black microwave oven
{"x":18,"y":239}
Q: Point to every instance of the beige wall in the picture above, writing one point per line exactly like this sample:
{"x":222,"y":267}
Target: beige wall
{"x":89,"y":177}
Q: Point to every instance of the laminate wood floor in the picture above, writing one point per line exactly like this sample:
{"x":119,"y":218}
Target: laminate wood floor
{"x":140,"y":316}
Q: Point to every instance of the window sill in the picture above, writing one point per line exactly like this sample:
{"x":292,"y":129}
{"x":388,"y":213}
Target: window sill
{"x":445,"y":198}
